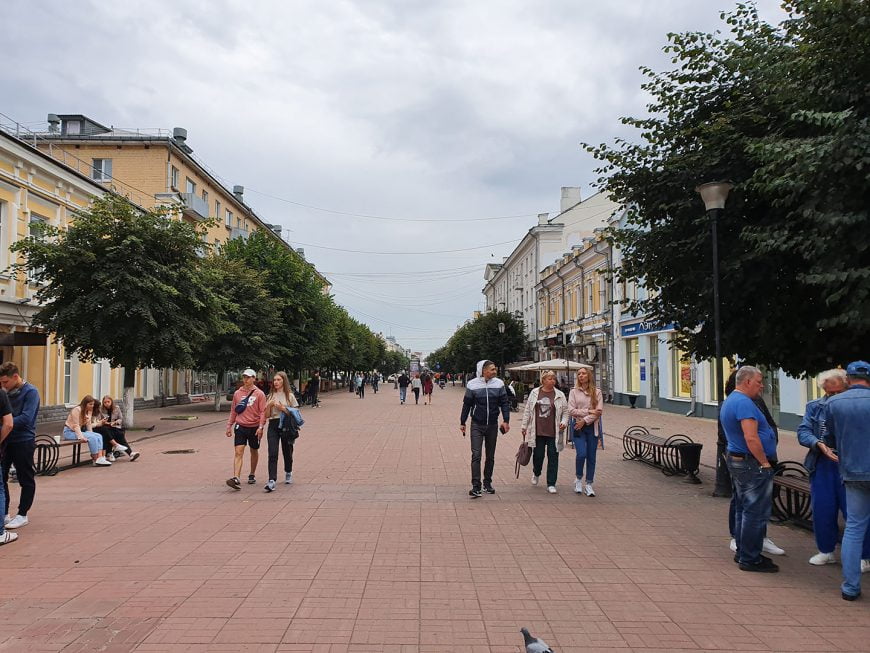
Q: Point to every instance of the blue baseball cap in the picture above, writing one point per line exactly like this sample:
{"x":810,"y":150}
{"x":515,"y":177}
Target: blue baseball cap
{"x":858,"y":368}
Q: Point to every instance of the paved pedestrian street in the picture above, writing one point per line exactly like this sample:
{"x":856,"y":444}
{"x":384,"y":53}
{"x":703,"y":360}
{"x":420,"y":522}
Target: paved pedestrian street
{"x":377,"y":547}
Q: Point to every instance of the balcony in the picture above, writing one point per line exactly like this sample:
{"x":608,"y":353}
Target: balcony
{"x":235,"y":232}
{"x":194,"y":206}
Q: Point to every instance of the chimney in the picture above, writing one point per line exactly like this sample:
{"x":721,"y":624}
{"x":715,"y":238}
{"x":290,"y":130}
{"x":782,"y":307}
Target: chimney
{"x":542,"y":218}
{"x":179,"y":134}
{"x":570,"y":197}
{"x":239,"y":192}
{"x":300,"y":251}
{"x":53,"y":123}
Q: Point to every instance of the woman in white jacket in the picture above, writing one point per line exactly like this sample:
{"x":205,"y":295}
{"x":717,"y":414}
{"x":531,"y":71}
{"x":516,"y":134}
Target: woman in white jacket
{"x":544,"y":421}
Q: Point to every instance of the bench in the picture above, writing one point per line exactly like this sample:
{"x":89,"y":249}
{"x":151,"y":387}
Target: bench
{"x":791,"y":494}
{"x":677,"y":454}
{"x":48,"y":453}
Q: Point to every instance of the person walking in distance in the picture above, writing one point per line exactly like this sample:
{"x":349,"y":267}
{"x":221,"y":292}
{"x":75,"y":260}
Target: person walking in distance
{"x":6,"y":537}
{"x":416,"y":387}
{"x":847,"y":416}
{"x":585,"y":405}
{"x":280,"y":429}
{"x":403,"y":382}
{"x":361,"y":386}
{"x":751,"y":456}
{"x":314,"y":390}
{"x":245,"y":426}
{"x":376,"y":380}
{"x":428,"y":386}
{"x":827,"y":491}
{"x":544,"y":421}
{"x":20,"y":444}
{"x":485,"y":396}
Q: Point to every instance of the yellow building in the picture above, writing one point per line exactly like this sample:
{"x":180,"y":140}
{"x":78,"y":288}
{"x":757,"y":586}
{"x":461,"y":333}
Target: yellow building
{"x":575,"y":315}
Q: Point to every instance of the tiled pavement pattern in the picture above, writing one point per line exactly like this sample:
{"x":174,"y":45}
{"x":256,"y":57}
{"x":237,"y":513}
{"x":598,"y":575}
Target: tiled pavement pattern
{"x":377,"y":547}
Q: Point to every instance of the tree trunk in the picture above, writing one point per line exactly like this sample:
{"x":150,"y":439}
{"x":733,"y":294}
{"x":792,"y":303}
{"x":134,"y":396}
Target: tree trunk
{"x":129,"y":393}
{"x":218,"y":391}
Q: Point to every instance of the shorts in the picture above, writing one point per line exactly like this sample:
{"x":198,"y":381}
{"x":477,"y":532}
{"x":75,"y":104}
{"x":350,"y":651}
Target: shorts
{"x":246,"y":435}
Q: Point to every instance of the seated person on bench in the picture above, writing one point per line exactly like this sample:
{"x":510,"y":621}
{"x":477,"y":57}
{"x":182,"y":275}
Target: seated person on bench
{"x":110,"y":424}
{"x":80,"y":418}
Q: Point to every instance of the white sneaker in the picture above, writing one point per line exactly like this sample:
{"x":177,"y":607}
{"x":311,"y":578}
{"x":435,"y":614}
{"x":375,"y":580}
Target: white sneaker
{"x":133,"y":455}
{"x":578,"y":486}
{"x":288,"y":478}
{"x":733,"y":545}
{"x":552,"y":489}
{"x":771,"y":548}
{"x":110,"y":457}
{"x":17,"y":522}
{"x":102,"y":462}
{"x":823,"y":559}
{"x":535,"y":480}
{"x":865,"y":566}
{"x":119,"y":448}
{"x":6,"y":519}
{"x":589,"y":491}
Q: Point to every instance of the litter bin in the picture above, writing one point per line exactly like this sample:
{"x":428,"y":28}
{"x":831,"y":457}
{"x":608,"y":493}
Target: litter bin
{"x":690,"y":461}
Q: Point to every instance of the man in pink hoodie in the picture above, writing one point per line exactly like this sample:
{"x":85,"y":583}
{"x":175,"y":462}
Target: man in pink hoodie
{"x":246,"y":414}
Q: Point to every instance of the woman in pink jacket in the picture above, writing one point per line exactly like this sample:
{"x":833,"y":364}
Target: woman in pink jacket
{"x":585,"y":405}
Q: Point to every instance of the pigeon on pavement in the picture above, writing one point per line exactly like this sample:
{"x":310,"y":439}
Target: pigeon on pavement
{"x":533,"y":644}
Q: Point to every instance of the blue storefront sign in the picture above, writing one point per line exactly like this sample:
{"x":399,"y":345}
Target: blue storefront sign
{"x":643,"y":369}
{"x":640,"y":328}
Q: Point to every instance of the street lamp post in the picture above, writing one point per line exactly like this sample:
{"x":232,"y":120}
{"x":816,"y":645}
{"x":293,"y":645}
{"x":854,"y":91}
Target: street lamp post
{"x":714,"y":194}
{"x":501,"y":327}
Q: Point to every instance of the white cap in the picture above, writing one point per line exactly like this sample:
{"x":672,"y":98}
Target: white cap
{"x":249,"y":372}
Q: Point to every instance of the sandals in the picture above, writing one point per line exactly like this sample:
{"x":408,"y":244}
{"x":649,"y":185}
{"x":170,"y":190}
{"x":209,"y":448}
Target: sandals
{"x":8,"y":537}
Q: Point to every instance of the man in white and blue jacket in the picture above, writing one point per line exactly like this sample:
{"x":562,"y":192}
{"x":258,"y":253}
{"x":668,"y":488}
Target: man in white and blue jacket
{"x":485,"y":397}
{"x":847,"y":417}
{"x":827,"y":491}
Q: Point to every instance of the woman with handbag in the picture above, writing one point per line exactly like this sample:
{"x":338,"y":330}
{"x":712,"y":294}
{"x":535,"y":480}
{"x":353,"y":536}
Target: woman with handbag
{"x":544,"y":422}
{"x":585,"y":405}
{"x":281,"y":428}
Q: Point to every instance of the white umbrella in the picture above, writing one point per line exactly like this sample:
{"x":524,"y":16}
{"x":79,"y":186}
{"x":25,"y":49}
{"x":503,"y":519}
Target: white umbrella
{"x":555,"y":364}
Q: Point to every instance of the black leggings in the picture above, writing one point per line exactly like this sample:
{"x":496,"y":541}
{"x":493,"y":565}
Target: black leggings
{"x":273,"y":437}
{"x":110,"y":433}
{"x":416,"y":395}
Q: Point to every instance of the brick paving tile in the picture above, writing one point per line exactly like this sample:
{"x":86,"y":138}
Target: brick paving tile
{"x":377,"y":548}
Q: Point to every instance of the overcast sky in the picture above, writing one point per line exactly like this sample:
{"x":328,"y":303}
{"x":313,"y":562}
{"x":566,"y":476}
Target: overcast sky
{"x":405,"y":109}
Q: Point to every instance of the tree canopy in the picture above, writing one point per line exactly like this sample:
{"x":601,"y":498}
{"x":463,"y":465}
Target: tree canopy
{"x":784,"y":113}
{"x":479,"y":339}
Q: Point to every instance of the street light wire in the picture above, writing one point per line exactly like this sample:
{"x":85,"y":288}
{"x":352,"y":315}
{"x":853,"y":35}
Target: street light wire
{"x":413,"y":253}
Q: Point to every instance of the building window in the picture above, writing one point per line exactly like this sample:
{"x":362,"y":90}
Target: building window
{"x":632,"y":365}
{"x":67,"y":380}
{"x":173,"y":178}
{"x":102,"y":170}
{"x":727,"y":367}
{"x":813,"y":389}
{"x":217,"y":209}
{"x":73,"y":127}
{"x":238,"y":222}
{"x":205,"y":197}
{"x":229,"y":218}
{"x":36,"y":229}
{"x":189,"y":186}
{"x":681,"y":373}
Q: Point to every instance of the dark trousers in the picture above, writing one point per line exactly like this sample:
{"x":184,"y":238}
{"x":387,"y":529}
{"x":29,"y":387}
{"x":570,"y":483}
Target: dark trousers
{"x":548,"y":446}
{"x":361,"y":391}
{"x":20,"y":454}
{"x":417,"y":396}
{"x":110,"y":433}
{"x":483,"y":435}
{"x":274,"y":437}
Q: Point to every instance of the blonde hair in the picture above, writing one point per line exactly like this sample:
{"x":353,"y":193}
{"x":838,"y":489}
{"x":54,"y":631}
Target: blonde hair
{"x":547,"y":373}
{"x":832,"y":375}
{"x":286,"y":388}
{"x":590,"y":386}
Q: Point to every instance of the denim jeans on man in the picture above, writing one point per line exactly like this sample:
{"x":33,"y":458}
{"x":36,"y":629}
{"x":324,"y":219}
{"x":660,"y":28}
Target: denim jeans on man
{"x":483,"y":436}
{"x":546,"y":445}
{"x":857,"y":524}
{"x":403,"y":391}
{"x":753,"y":492}
{"x":585,"y":449}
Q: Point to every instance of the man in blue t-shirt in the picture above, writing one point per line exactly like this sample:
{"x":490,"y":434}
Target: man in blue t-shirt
{"x":750,"y":457}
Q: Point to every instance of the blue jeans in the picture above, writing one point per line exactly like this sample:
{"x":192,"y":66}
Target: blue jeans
{"x":828,"y":498}
{"x":585,"y":449}
{"x":753,"y":492}
{"x":857,"y":521}
{"x":402,"y":393}
{"x":95,"y":440}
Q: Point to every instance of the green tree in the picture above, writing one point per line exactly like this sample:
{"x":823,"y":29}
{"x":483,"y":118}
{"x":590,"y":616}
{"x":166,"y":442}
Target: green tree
{"x":247,"y":327}
{"x":122,"y":284}
{"x":784,"y":112}
{"x":479,"y":339}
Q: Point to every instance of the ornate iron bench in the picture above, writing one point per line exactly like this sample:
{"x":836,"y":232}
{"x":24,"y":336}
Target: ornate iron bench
{"x":677,"y":454}
{"x":791,"y":494}
{"x":48,"y":452}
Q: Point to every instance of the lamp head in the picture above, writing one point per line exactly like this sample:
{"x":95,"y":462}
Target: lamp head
{"x":714,"y":194}
{"x":501,"y":327}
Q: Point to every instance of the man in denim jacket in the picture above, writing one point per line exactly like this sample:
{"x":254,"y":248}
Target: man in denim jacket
{"x":847,"y":417}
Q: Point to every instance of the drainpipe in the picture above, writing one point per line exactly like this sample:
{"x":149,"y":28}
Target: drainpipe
{"x":608,"y":258}
{"x":562,"y":321}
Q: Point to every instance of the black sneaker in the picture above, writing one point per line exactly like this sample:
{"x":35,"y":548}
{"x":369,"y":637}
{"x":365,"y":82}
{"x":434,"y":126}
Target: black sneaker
{"x":850,"y":597}
{"x":489,"y":489}
{"x":475,"y":493}
{"x":251,"y":479}
{"x":234,"y":483}
{"x":764,"y":566}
